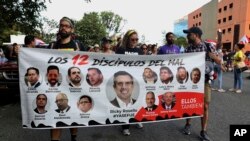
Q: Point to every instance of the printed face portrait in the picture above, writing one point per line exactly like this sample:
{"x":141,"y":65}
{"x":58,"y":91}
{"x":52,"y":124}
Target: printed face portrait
{"x":53,"y":76}
{"x":74,"y":75}
{"x":181,"y":75}
{"x":123,"y":86}
{"x":150,"y":99}
{"x":168,"y":98}
{"x":33,"y":76}
{"x":148,"y":73}
{"x":41,"y":101}
{"x":166,"y":75}
{"x":62,"y":101}
{"x":94,"y":77}
{"x":85,"y":103}
{"x":196,"y":75}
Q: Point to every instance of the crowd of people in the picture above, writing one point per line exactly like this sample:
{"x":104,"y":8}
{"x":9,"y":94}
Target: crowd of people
{"x":129,"y":45}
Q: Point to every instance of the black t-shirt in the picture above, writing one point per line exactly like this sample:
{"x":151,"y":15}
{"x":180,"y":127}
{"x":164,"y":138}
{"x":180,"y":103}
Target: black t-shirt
{"x":70,"y":46}
{"x":129,"y":51}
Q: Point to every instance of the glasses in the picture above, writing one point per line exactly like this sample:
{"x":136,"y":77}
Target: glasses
{"x":144,"y":48}
{"x":134,"y":39}
{"x":60,"y":100}
{"x":120,"y":84}
{"x":64,"y":25}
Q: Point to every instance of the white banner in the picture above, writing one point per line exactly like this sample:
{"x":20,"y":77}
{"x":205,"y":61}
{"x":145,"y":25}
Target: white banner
{"x":60,"y":89}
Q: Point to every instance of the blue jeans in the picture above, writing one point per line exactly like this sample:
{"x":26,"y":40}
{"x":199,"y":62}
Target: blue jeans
{"x":237,"y":80}
{"x":219,"y":72}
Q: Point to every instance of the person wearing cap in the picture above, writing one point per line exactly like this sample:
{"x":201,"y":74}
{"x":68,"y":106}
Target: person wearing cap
{"x":106,"y":45}
{"x":169,"y":47}
{"x":65,"y":37}
{"x":197,"y":45}
{"x":64,"y":42}
{"x":96,"y":48}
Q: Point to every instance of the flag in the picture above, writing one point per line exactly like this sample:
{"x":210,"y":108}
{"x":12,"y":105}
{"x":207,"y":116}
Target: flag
{"x":244,"y":40}
{"x":39,"y":41}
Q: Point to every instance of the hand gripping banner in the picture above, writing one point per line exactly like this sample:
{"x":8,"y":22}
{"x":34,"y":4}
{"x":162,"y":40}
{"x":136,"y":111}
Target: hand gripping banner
{"x":62,"y":89}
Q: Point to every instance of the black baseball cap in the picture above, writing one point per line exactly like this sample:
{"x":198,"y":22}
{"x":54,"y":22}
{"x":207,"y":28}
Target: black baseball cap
{"x":106,"y":40}
{"x":195,"y":30}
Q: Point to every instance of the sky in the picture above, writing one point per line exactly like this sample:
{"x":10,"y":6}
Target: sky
{"x":148,"y":17}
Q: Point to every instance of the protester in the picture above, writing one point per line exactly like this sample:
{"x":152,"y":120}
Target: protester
{"x":96,"y":48}
{"x":197,"y":45}
{"x":129,"y":47}
{"x":29,"y":41}
{"x":106,"y":45}
{"x":169,"y":47}
{"x":65,"y":42}
{"x":238,"y":58}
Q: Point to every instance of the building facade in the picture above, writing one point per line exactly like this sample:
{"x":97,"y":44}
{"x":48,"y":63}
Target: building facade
{"x":231,"y":16}
{"x":179,"y":25}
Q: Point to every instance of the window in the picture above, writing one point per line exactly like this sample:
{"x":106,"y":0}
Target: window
{"x":196,"y":24}
{"x":199,"y":23}
{"x":225,"y":8}
{"x":224,"y":20}
{"x":223,"y":31}
{"x":249,"y":27}
{"x":230,"y":18}
{"x":229,"y":30}
{"x":231,"y":5}
{"x":219,"y":21}
{"x":193,"y":25}
{"x":220,"y":10}
{"x":200,"y":14}
{"x":193,"y":17}
{"x":197,"y":16}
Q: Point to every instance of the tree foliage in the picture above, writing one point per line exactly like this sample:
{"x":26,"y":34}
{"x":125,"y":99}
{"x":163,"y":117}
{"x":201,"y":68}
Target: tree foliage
{"x":89,"y":29}
{"x":19,"y":16}
{"x":181,"y":41}
{"x":46,"y":29}
{"x":111,"y":21}
{"x":94,"y":26}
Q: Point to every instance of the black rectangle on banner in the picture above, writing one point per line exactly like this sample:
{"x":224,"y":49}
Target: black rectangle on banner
{"x":239,"y":132}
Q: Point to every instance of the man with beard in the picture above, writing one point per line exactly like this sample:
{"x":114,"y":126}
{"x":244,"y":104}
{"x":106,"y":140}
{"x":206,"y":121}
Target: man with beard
{"x":53,"y":76}
{"x":65,"y":36}
{"x":182,"y":75}
{"x":197,"y":45}
{"x":65,"y":41}
{"x":41,"y":101}
{"x":169,"y":47}
{"x":94,"y":77}
{"x":74,"y":75}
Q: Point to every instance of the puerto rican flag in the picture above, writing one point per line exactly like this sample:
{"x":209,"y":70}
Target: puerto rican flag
{"x":244,"y":40}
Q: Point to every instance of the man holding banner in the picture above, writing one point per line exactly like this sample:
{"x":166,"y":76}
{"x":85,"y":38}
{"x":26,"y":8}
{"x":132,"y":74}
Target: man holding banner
{"x":64,"y":42}
{"x":197,"y":45}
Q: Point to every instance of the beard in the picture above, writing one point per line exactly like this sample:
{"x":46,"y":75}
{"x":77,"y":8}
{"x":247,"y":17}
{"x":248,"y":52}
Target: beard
{"x":64,"y":35}
{"x":170,"y":42}
{"x":191,"y":41}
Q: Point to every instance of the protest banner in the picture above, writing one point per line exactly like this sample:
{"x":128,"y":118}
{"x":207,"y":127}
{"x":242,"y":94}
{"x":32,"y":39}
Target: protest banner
{"x":61,"y":89}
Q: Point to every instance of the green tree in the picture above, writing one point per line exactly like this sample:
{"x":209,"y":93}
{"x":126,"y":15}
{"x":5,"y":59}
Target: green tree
{"x":112,"y":22}
{"x":90,"y":29}
{"x":19,"y":16}
{"x":181,"y":41}
{"x":47,"y":29}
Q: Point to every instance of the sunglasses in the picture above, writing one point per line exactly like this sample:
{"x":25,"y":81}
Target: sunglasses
{"x":134,"y":39}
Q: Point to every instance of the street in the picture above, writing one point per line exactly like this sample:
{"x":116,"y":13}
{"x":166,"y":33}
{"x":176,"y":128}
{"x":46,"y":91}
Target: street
{"x":225,"y":109}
